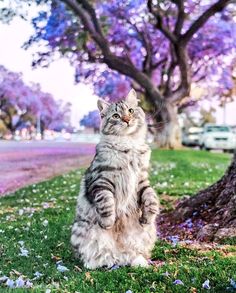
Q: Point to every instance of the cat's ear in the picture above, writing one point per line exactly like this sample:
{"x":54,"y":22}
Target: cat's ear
{"x":102,"y":105}
{"x":132,"y":98}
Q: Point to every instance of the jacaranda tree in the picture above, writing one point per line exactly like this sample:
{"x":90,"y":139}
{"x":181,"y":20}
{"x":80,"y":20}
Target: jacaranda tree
{"x":91,"y":120}
{"x":20,"y":103}
{"x":158,"y":47}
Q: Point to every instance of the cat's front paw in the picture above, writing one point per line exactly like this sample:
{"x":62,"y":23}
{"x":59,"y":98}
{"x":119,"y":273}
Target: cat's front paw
{"x":106,"y":222}
{"x":144,"y":221}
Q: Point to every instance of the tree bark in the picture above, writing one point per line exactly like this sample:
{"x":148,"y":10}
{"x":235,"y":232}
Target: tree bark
{"x":168,"y":132}
{"x":169,"y":135}
{"x":211,"y":211}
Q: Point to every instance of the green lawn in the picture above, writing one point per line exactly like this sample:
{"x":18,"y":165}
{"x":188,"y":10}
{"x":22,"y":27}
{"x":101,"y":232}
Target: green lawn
{"x":41,"y":216}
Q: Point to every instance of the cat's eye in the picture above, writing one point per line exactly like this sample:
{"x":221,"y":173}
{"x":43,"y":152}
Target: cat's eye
{"x":116,"y":116}
{"x":131,"y":111}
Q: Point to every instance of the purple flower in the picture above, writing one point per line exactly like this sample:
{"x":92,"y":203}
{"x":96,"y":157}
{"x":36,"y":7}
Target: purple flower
{"x":206,"y":285}
{"x":115,"y":267}
{"x":166,"y":274}
{"x":20,"y":283}
{"x":233,"y":283}
{"x":3,"y":279}
{"x":174,"y":239}
{"x":23,"y":252}
{"x":178,"y":282}
{"x":62,"y":269}
{"x":37,"y":275}
{"x":28,"y":284}
{"x":10,"y":283}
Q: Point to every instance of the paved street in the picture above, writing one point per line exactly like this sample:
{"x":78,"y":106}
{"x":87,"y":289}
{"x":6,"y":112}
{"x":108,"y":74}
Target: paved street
{"x":28,"y":162}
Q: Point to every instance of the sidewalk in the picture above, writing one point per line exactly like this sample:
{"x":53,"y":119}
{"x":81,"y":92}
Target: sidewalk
{"x":25,"y":163}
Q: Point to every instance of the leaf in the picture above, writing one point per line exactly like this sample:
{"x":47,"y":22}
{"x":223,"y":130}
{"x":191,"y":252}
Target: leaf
{"x":88,"y":277}
{"x":77,"y":268}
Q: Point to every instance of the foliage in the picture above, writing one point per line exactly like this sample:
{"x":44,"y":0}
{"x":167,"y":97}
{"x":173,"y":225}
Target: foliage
{"x":21,"y":103}
{"x":41,"y":216}
{"x":144,"y":37}
{"x":91,"y":120}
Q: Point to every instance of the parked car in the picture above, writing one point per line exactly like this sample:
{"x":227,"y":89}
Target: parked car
{"x":191,"y":136}
{"x":217,"y":137}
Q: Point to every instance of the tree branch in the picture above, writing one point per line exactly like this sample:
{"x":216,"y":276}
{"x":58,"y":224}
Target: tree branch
{"x":180,"y":18}
{"x":160,"y":62}
{"x":160,"y":25}
{"x":117,"y":63}
{"x":196,"y":25}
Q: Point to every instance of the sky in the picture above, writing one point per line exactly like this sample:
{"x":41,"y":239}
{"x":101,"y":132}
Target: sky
{"x":58,"y":78}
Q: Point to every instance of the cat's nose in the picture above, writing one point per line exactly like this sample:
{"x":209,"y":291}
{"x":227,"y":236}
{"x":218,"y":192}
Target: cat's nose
{"x":125,"y":118}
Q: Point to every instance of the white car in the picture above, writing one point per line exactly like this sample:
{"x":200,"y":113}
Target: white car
{"x":191,"y":136}
{"x":217,"y":137}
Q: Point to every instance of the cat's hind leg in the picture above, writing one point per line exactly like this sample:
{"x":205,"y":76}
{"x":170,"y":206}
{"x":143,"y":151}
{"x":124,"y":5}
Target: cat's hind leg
{"x":137,"y":241}
{"x":139,"y":261}
{"x":95,"y":246}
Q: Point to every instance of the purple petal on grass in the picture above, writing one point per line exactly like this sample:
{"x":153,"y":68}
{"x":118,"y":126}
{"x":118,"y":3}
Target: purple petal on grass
{"x":174,"y":239}
{"x":3,"y":279}
{"x":37,"y":275}
{"x":115,"y":267}
{"x":10,"y":283}
{"x":128,"y":291}
{"x":166,"y":274}
{"x":178,"y":282}
{"x":233,"y":283}
{"x":45,"y":223}
{"x":20,"y":283}
{"x":28,"y":284}
{"x":23,"y":252}
{"x":206,"y":285}
{"x":62,"y":269}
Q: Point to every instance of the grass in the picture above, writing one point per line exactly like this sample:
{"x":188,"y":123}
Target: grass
{"x":24,"y":216}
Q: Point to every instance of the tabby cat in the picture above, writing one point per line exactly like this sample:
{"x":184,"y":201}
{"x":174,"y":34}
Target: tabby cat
{"x":116,"y":207}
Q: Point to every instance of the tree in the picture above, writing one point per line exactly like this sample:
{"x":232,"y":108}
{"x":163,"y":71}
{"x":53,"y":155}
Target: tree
{"x":211,"y":211}
{"x":91,"y":120}
{"x":157,"y":47}
{"x":21,"y":103}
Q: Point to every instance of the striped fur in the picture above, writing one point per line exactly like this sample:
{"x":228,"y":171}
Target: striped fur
{"x":116,"y":207}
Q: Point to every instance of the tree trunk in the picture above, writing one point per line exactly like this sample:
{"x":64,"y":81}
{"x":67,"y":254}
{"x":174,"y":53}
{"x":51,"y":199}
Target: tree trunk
{"x":168,"y":132}
{"x":210,"y":214}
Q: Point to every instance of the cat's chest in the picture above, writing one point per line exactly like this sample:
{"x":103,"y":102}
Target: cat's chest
{"x":126,"y":180}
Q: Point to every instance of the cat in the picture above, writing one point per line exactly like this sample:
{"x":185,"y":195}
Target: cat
{"x":116,"y":207}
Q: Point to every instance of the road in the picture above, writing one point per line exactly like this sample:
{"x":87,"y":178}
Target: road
{"x":27,"y":162}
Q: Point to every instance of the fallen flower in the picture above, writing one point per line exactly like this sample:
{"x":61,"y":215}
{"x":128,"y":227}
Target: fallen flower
{"x":45,"y":223}
{"x":3,"y":279}
{"x":28,"y":284}
{"x":62,"y":269}
{"x":23,"y":252}
{"x":114,"y":267}
{"x":178,"y":282}
{"x":21,"y":212}
{"x":10,"y":283}
{"x":174,"y":239}
{"x":233,"y":283}
{"x":37,"y":275}
{"x":128,"y":291}
{"x":20,"y":283}
{"x":166,"y":274}
{"x":206,"y":285}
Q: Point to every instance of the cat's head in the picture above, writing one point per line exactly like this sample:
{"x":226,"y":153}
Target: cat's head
{"x":121,"y":118}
